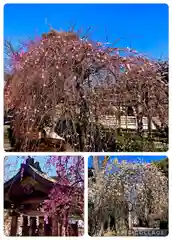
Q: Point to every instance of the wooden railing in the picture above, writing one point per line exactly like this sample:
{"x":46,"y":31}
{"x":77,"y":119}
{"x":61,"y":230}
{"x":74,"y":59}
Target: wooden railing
{"x":126,"y":122}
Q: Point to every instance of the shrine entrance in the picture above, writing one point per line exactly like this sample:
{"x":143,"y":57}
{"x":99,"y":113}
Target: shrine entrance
{"x":23,"y":196}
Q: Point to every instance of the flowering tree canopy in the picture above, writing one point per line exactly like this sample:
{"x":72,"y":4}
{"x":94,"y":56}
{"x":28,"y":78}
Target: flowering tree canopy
{"x":67,"y":196}
{"x":120,"y":188}
{"x":67,"y":83}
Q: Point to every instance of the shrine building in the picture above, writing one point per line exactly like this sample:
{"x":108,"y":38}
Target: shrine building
{"x":23,"y":195}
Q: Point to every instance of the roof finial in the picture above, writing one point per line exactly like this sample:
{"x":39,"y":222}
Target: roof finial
{"x":30,"y":161}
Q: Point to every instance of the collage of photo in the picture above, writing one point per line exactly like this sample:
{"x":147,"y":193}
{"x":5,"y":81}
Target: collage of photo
{"x":86,"y":120}
{"x":127,"y":196}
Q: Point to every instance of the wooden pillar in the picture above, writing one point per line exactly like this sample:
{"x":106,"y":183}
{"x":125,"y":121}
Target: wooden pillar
{"x":41,"y":226}
{"x":45,"y":228}
{"x":60,"y":230}
{"x":37,"y":230}
{"x":48,"y":228}
{"x":20,"y":225}
{"x":29,"y":226}
{"x":14,"y":222}
{"x":63,"y":226}
{"x":55,"y":226}
{"x":25,"y":231}
{"x":66,"y":229}
{"x":33,"y":226}
{"x":66,"y":223}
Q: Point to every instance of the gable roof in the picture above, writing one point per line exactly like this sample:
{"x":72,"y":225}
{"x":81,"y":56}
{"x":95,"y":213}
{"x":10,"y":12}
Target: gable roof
{"x":27,"y":169}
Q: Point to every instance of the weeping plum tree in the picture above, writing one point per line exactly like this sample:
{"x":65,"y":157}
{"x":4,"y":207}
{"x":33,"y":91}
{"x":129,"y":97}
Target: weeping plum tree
{"x":68,"y":84}
{"x":66,"y":199}
{"x":120,"y":186}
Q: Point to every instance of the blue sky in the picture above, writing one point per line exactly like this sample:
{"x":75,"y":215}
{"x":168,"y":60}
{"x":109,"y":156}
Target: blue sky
{"x":12,"y":165}
{"x":140,"y":26}
{"x":134,"y":158}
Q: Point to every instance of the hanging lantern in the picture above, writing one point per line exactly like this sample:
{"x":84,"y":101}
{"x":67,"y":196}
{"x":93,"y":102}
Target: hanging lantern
{"x":21,"y":226}
{"x":46,"y":219}
{"x":37,"y":221}
{"x":28,"y":220}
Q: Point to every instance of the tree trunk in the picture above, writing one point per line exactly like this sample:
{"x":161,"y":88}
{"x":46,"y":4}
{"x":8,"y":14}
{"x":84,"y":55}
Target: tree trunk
{"x":140,"y":123}
{"x":96,"y":164}
{"x":101,"y":229}
{"x":84,"y":110}
{"x":140,"y":114}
